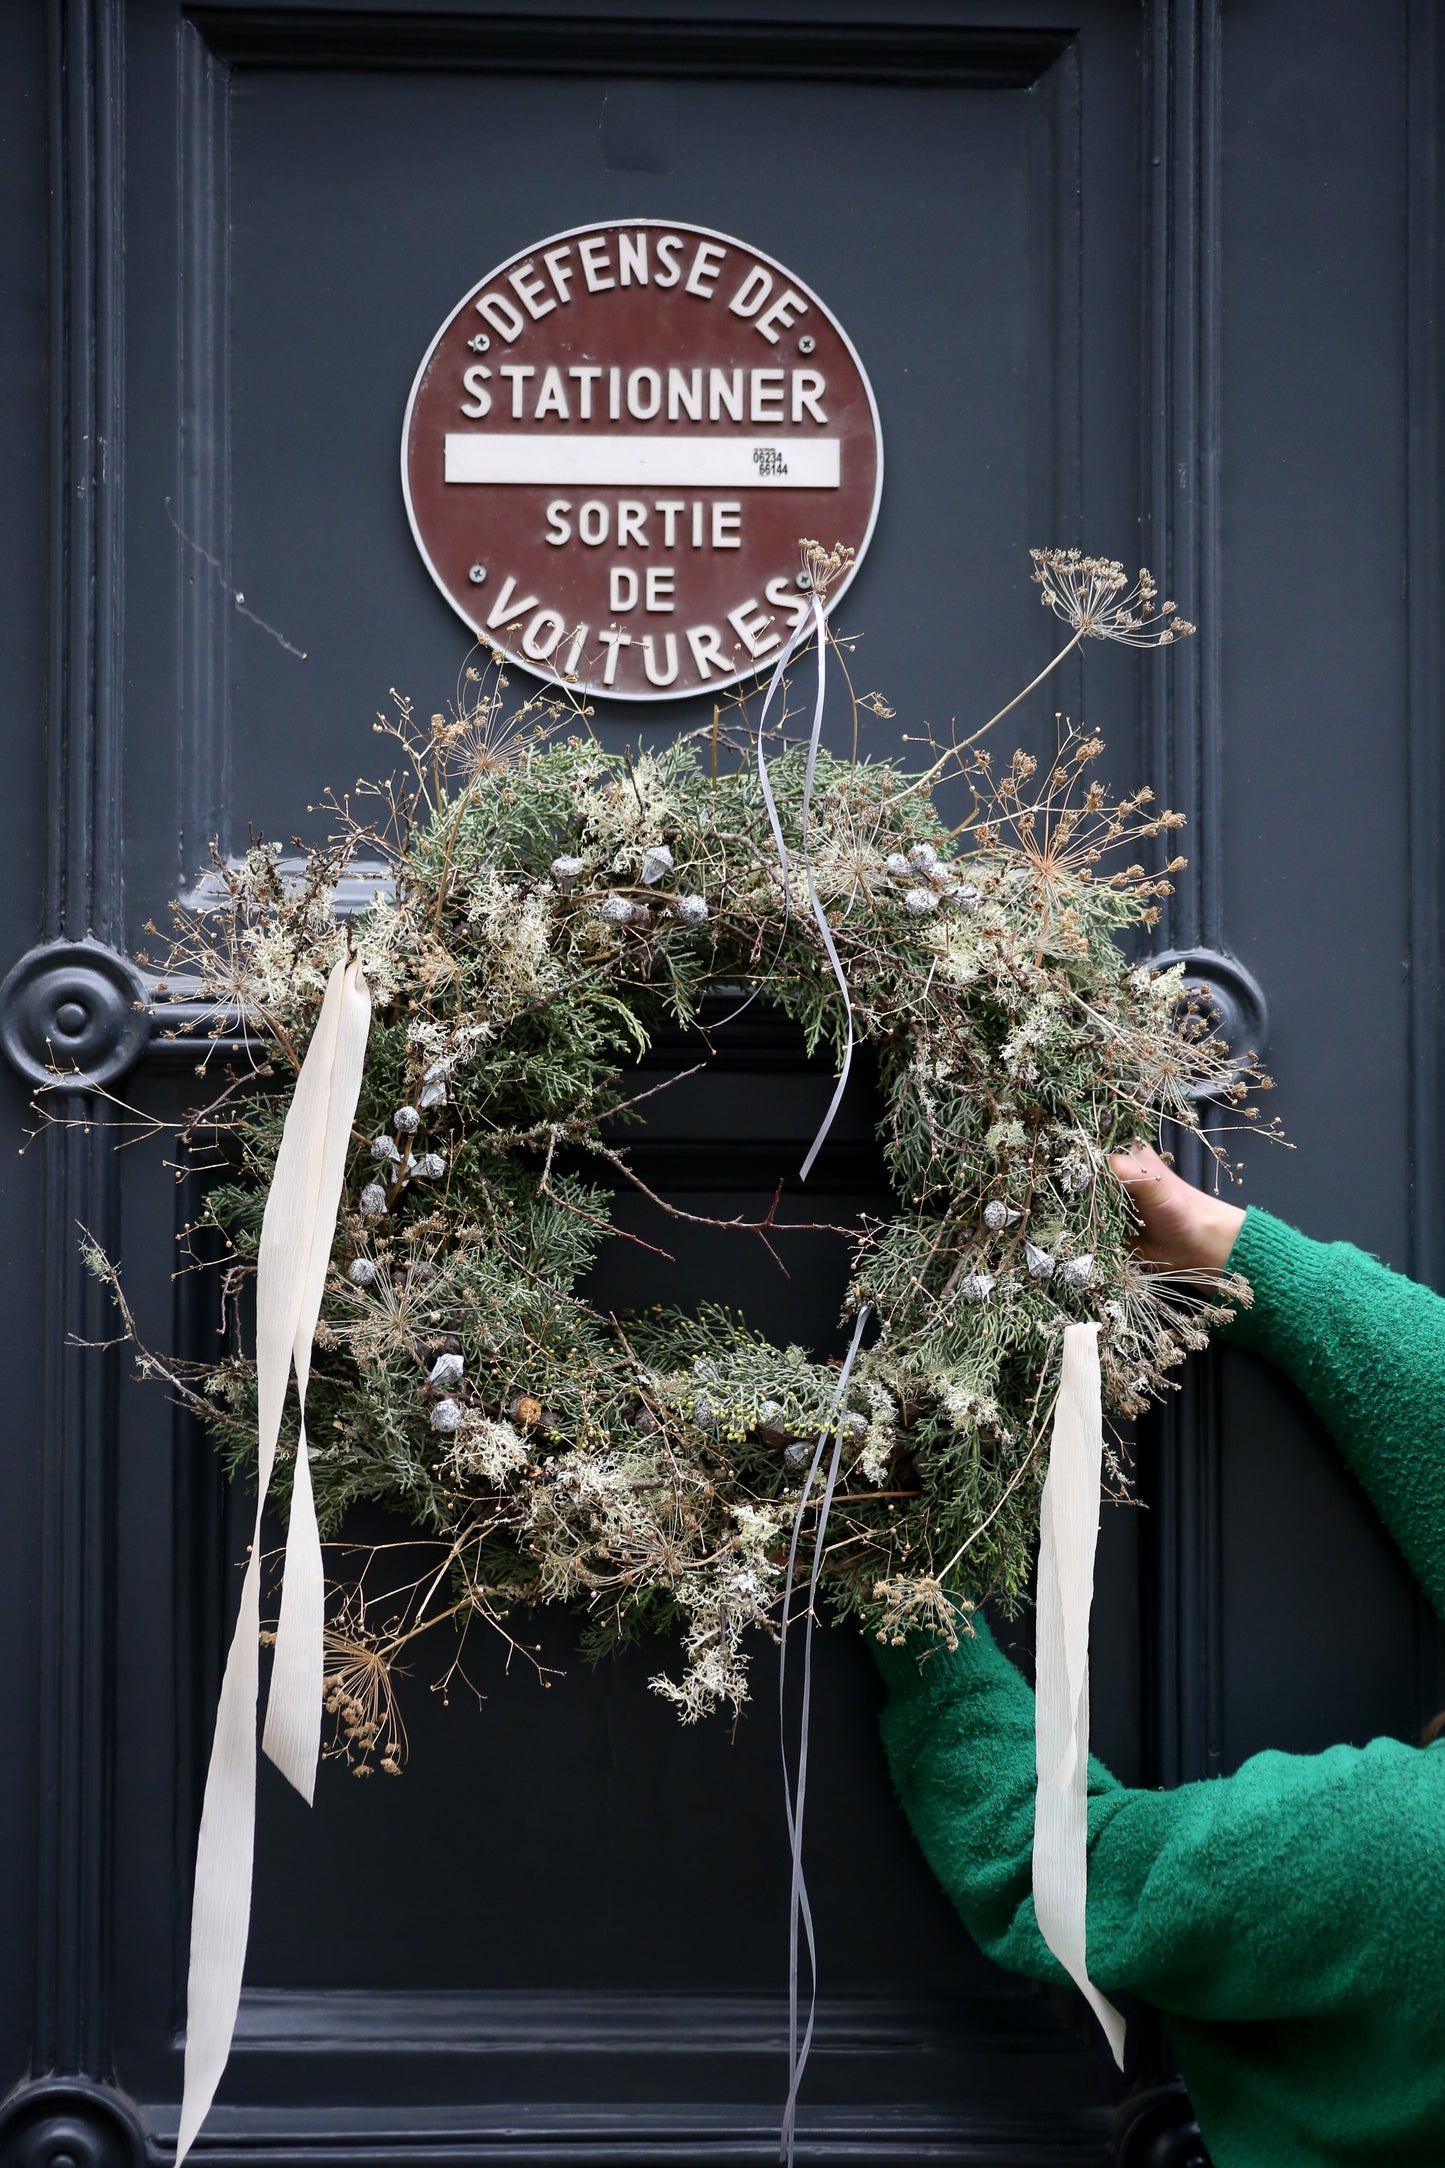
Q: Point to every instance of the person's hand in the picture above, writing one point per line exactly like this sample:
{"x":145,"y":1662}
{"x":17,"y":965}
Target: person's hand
{"x":1178,"y":1224}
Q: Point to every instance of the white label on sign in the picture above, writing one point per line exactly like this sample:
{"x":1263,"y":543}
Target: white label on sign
{"x":590,"y":462}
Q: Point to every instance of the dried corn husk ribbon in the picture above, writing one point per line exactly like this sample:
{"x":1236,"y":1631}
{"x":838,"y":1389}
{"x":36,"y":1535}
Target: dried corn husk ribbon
{"x":296,"y":1237}
{"x":1068,"y":1538}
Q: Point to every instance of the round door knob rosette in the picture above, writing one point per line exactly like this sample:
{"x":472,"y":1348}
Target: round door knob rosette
{"x":73,"y":1010}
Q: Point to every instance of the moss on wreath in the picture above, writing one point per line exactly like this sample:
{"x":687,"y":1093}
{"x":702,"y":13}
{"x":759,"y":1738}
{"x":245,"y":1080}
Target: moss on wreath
{"x":548,"y":905}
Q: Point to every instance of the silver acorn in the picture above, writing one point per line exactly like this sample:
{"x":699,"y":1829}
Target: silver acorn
{"x":797,"y":1457}
{"x":1078,"y":1271}
{"x":855,"y":1425}
{"x":566,"y":871}
{"x":446,"y":1417}
{"x":385,"y":1148}
{"x":615,"y":910}
{"x":372,"y":1201}
{"x":704,"y":1372}
{"x":1039,"y":1262}
{"x":692,"y":910}
{"x":997,"y":1215}
{"x":976,"y":1286}
{"x":656,"y":863}
{"x":898,"y":866}
{"x":920,"y":901}
{"x":923,"y":856}
{"x":964,"y":897}
{"x":434,"y":1085}
{"x":772,"y":1423}
{"x":407,"y":1120}
{"x":446,"y":1370}
{"x":704,"y":1414}
{"x":361,"y":1272}
{"x":431,"y":1166}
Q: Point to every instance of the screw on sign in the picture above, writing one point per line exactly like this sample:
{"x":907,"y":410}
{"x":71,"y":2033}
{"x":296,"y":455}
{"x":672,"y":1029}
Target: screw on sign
{"x":614,"y":444}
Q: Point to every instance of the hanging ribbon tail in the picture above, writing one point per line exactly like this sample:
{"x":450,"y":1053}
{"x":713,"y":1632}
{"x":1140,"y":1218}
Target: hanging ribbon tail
{"x":818,"y":912}
{"x":292,"y":1230}
{"x":790,"y":648}
{"x":800,"y":1915}
{"x":292,"y":1738}
{"x":1069,"y":1534}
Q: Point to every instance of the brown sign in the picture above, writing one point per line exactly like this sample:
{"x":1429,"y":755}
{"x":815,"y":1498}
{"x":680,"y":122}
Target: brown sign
{"x":614,"y":446}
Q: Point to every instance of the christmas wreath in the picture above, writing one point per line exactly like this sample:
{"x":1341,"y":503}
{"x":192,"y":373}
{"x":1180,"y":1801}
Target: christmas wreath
{"x":547,"y":906}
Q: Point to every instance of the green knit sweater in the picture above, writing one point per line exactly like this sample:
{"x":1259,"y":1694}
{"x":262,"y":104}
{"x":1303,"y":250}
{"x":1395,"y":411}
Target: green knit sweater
{"x":1289,"y":1919}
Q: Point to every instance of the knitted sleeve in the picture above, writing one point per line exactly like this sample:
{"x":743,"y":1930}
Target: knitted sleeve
{"x":1287,"y":1888}
{"x":1366,"y":1347}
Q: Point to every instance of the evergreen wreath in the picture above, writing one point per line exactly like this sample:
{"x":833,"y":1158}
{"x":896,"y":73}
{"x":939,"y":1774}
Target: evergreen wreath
{"x":546,"y":905}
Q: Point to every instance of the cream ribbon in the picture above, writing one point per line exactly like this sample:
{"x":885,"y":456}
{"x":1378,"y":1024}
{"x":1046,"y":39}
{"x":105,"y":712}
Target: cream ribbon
{"x":296,"y":1237}
{"x":1068,"y":1538}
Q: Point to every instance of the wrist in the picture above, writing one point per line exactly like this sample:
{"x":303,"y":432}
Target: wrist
{"x":1216,"y":1232}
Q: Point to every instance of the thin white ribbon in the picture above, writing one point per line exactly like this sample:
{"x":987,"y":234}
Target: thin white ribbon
{"x":1068,"y":1539}
{"x":819,"y":625}
{"x":297,"y":1232}
{"x":800,"y":1912}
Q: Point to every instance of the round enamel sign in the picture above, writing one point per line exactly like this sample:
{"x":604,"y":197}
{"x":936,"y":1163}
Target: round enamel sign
{"x":616,"y":443}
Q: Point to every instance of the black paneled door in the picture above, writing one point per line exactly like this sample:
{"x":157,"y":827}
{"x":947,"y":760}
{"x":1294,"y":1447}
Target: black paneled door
{"x":1160,"y":280}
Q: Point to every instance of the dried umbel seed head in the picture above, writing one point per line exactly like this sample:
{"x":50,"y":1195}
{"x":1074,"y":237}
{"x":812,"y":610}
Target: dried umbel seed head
{"x":566,"y":872}
{"x":920,"y":901}
{"x":1078,"y":1271}
{"x":898,"y":866}
{"x":976,"y":1286}
{"x":526,"y":1411}
{"x":446,"y":1417}
{"x":385,"y":1148}
{"x":656,"y":864}
{"x":997,"y":1215}
{"x":407,"y":1120}
{"x":923,"y":856}
{"x":372,"y":1202}
{"x":446,"y":1370}
{"x":692,"y":910}
{"x":361,"y":1272}
{"x":431,"y":1166}
{"x":1039,"y":1262}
